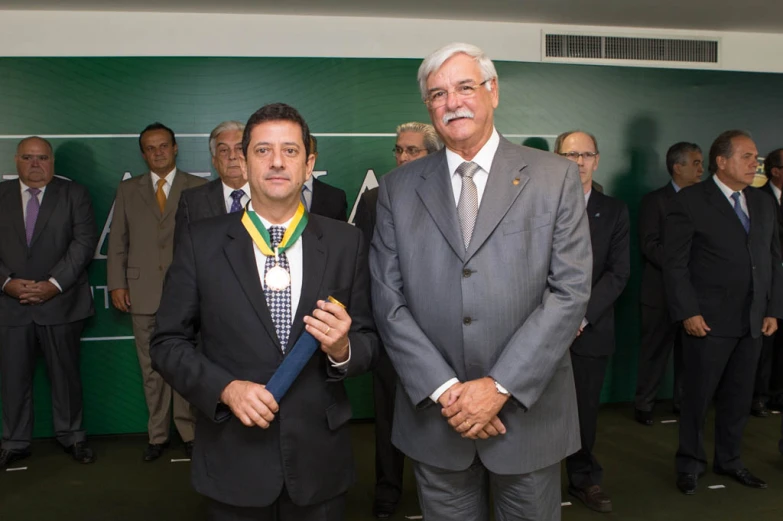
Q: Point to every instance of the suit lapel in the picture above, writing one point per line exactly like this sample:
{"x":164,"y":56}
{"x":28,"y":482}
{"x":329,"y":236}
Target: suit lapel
{"x":172,"y":201}
{"x":718,"y":200}
{"x":754,"y":212}
{"x":15,"y":211}
{"x":313,"y":265}
{"x":594,"y":209}
{"x":241,"y":257}
{"x":215,"y":198}
{"x":48,"y":204}
{"x":505,"y":182}
{"x":148,"y":194}
{"x":437,"y":196}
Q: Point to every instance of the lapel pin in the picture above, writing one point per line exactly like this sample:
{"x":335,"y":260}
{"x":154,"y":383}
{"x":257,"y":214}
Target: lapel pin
{"x":515,"y":182}
{"x":598,"y":214}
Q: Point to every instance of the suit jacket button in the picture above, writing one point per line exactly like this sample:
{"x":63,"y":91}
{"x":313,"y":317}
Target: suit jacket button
{"x":466,"y":273}
{"x":467,"y":321}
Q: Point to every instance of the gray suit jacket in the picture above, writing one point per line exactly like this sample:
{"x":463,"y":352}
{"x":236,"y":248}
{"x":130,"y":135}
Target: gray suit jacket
{"x":508,"y":307}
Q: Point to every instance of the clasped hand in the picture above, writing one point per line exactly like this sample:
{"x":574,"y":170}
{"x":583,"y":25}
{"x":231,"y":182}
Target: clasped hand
{"x":472,"y":408}
{"x":30,"y":292}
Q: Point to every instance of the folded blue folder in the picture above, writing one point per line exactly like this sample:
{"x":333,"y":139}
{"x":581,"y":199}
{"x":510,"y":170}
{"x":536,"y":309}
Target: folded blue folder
{"x":292,"y":365}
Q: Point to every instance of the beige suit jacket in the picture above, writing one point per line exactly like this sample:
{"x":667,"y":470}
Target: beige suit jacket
{"x":141,"y":241}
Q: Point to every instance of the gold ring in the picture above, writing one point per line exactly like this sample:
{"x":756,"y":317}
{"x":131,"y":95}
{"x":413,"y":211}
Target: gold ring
{"x":327,"y":330}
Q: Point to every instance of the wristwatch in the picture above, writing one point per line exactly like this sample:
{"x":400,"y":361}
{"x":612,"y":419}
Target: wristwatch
{"x":501,"y":390}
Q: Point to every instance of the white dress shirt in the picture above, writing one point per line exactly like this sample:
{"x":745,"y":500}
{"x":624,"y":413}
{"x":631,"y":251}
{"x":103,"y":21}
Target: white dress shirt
{"x":230,"y":200}
{"x":728,"y":191}
{"x":294,"y":255}
{"x":167,"y":185}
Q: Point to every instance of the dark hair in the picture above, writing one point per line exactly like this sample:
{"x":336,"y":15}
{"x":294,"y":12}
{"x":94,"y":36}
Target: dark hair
{"x":678,"y":154}
{"x":157,"y":126}
{"x":314,"y":142}
{"x":723,"y":147}
{"x":772,"y":161}
{"x":276,"y":112}
{"x":562,"y":137}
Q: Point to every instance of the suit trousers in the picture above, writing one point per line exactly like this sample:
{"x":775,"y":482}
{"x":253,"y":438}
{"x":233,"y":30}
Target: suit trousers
{"x":720,"y":368}
{"x":157,"y":392}
{"x":389,"y":461}
{"x":769,"y":374}
{"x":281,"y":510}
{"x":659,"y":337}
{"x":447,"y":495}
{"x":60,"y":345}
{"x":582,"y":467}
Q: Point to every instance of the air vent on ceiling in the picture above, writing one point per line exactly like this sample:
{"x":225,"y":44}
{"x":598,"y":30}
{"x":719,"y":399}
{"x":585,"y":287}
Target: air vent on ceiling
{"x":585,"y":47}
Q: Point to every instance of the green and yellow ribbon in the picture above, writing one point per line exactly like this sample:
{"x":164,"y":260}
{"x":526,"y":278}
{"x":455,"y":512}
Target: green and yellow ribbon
{"x":260,"y":234}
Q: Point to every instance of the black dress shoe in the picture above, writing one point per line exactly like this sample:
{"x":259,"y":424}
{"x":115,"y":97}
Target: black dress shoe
{"x":687,"y":483}
{"x":8,"y":456}
{"x":759,"y":409}
{"x":383,"y":510}
{"x":643,"y":417}
{"x":742,"y":476}
{"x":189,"y":449}
{"x":81,"y":452}
{"x":154,"y":451}
{"x":593,"y":497}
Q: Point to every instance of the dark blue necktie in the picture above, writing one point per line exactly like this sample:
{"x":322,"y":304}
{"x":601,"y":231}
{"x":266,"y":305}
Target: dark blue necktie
{"x":236,"y":205}
{"x":743,"y":217}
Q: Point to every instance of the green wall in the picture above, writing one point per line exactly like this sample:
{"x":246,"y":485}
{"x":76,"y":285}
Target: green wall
{"x":635,"y":114}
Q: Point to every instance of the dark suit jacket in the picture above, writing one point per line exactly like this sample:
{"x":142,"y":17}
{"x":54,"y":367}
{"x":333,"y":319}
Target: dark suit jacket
{"x":365,"y":212}
{"x":714,"y":269}
{"x":328,"y":201}
{"x":200,"y":202}
{"x":63,"y":245}
{"x":609,"y":225}
{"x":214,"y":284}
{"x":768,"y":189}
{"x":652,"y":218}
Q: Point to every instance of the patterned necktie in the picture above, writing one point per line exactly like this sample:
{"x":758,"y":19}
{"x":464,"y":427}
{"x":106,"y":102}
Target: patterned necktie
{"x":160,"y":195}
{"x":467,"y":208}
{"x":33,"y":205}
{"x":743,"y":217}
{"x":279,"y":302}
{"x":236,"y":204}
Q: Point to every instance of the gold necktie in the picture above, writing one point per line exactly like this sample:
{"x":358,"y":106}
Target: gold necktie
{"x":160,"y":195}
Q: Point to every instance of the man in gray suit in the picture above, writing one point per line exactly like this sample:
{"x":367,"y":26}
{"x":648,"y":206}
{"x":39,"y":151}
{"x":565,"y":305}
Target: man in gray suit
{"x":481,"y":268}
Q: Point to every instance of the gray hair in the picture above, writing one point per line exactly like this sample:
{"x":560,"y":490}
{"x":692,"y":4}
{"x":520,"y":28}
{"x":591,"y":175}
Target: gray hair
{"x":223,"y":127}
{"x":678,"y":154}
{"x":431,"y":140}
{"x":434,"y":61}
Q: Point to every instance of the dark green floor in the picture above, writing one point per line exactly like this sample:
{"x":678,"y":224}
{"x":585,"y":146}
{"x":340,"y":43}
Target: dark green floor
{"x":638,"y":463}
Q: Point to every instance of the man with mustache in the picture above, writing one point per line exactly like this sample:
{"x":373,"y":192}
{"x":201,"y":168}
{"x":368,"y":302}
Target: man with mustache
{"x":141,"y":245}
{"x":481,"y":266}
{"x":45,"y":247}
{"x":724,"y":281}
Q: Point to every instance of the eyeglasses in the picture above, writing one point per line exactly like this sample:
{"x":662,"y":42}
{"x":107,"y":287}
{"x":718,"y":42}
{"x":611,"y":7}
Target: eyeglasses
{"x":411,"y":151}
{"x":31,"y":157}
{"x":225,"y":151}
{"x":574,"y":156}
{"x":437,"y":98}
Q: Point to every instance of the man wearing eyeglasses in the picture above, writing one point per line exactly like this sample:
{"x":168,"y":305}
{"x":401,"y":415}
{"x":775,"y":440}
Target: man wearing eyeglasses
{"x":47,"y":241}
{"x":414,"y":140}
{"x":594,"y":343}
{"x":481,"y":276}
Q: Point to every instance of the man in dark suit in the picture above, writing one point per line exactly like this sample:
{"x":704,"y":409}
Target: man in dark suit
{"x":660,"y":335}
{"x":414,"y":140}
{"x":47,"y":239}
{"x":724,"y":281}
{"x":256,"y":458}
{"x":141,"y":245}
{"x":768,"y":390}
{"x":228,"y":193}
{"x":594,"y":343}
{"x":322,"y":199}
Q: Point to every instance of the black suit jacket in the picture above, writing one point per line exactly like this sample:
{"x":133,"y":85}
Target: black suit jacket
{"x":63,"y":245}
{"x":365,"y":212}
{"x":714,"y":269}
{"x":652,"y":218}
{"x":200,"y":202}
{"x":214,"y":285}
{"x":328,"y":201}
{"x":767,"y":188}
{"x":609,"y":235}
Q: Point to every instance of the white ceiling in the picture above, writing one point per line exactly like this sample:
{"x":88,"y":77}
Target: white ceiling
{"x":717,"y":15}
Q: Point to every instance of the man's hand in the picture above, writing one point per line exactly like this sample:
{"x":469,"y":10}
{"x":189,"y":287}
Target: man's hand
{"x":494,"y":428}
{"x":16,"y":287}
{"x":477,"y":406}
{"x":696,"y":326}
{"x":250,"y":402}
{"x":38,"y":292}
{"x":329,"y":324}
{"x":120,"y":298}
{"x":769,"y":326}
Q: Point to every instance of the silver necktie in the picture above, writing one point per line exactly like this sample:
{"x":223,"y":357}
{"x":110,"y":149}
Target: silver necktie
{"x":468,"y":205}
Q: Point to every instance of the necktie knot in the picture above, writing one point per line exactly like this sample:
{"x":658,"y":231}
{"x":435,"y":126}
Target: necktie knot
{"x":468,"y":169}
{"x":735,"y":196}
{"x":161,"y":183}
{"x":276,"y":234}
{"x":34,"y":191}
{"x":237,"y":195}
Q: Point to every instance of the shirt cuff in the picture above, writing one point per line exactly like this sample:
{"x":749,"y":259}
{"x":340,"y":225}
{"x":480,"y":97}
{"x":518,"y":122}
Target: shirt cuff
{"x":57,"y":284}
{"x":4,"y":283}
{"x":442,"y":389}
{"x":339,"y":365}
{"x":584,"y":323}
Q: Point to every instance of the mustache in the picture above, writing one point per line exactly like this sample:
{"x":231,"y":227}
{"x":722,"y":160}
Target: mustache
{"x":459,"y":113}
